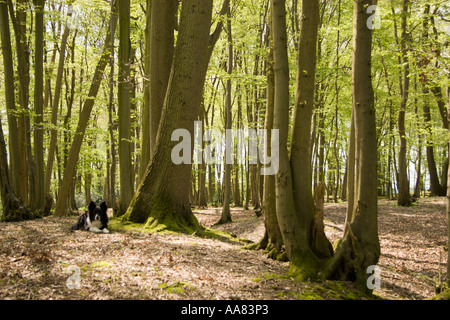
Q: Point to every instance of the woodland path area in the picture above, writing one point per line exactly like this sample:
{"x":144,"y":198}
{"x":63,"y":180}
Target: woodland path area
{"x":35,"y":257}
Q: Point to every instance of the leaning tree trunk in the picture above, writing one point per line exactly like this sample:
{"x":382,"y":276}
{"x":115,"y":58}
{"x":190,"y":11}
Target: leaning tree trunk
{"x":55,"y":108}
{"x":69,"y":173}
{"x":360,"y":247}
{"x":162,"y":199}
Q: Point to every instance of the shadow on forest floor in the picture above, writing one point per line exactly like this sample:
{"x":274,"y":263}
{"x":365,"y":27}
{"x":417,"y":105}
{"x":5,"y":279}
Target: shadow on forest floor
{"x":36,"y":257}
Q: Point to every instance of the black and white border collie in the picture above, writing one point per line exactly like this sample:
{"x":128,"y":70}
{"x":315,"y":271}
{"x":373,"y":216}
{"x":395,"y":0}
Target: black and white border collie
{"x":95,"y":220}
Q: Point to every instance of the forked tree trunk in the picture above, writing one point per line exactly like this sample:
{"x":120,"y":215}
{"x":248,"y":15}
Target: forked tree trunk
{"x":303,"y":261}
{"x":360,"y":247}
{"x":162,"y":199}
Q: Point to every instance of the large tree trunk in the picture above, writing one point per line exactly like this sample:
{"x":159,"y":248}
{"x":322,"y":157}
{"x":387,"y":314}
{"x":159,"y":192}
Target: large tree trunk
{"x":69,"y":173}
{"x":161,"y":22}
{"x":27,"y":165}
{"x":162,"y":198}
{"x":300,"y":158}
{"x":12,"y":207}
{"x":360,"y":247}
{"x":10,"y":100}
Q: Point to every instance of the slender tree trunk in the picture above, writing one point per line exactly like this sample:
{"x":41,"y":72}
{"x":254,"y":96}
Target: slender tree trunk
{"x":202,"y":196}
{"x":55,"y":106}
{"x":435,"y":187}
{"x":39,"y":102}
{"x":404,"y":198}
{"x":448,"y":196}
{"x":111,"y":112}
{"x":360,"y":247}
{"x":226,"y":215}
{"x":126,"y":172}
{"x":336,"y":110}
{"x":272,"y":240}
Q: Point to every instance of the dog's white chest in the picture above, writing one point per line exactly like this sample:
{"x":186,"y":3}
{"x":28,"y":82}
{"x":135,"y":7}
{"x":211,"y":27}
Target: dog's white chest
{"x":96,"y":224}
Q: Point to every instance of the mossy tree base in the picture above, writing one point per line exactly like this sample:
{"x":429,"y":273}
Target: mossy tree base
{"x":304,"y":265}
{"x":17,"y":211}
{"x":161,"y":214}
{"x":351,"y":260}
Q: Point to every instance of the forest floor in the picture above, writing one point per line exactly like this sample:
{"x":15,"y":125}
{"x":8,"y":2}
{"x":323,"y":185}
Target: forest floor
{"x":37,"y":259}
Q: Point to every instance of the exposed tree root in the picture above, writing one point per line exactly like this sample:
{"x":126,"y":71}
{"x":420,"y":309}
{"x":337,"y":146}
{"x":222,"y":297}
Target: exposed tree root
{"x":274,"y":250}
{"x":20,"y":212}
{"x":351,"y":260}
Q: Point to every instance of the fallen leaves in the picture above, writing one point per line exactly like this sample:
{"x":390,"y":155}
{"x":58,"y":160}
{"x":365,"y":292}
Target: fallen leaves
{"x":35,"y":256}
